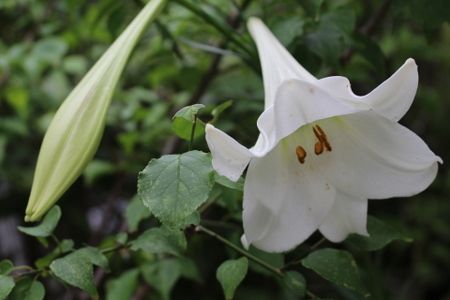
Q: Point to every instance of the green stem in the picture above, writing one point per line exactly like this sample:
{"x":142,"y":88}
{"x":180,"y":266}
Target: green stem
{"x":247,"y":254}
{"x":114,"y":248}
{"x":194,"y":124}
{"x":17,"y":268}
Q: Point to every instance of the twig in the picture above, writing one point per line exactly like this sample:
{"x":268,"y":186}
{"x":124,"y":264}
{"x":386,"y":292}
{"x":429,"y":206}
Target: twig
{"x":247,"y":254}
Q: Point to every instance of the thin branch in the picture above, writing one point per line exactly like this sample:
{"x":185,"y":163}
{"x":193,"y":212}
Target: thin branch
{"x":247,"y":254}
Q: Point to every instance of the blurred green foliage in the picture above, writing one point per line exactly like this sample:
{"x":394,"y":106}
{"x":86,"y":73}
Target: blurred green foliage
{"x":47,"y":46}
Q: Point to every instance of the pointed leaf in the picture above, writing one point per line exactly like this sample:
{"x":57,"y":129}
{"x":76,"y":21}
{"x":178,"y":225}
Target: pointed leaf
{"x":230,"y":274}
{"x":64,"y":247}
{"x":77,"y":268}
{"x":162,"y":275}
{"x":380,"y":235}
{"x":46,"y":227}
{"x":295,"y":282}
{"x":337,"y":266}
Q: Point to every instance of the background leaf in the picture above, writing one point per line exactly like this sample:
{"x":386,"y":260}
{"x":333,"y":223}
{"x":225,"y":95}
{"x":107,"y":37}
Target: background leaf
{"x":135,"y":213}
{"x":6,"y":286}
{"x":28,"y":289}
{"x":123,"y":286}
{"x":160,"y":240}
{"x":6,"y":266}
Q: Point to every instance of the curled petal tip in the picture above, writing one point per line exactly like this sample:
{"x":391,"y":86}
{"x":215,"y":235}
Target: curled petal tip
{"x":253,"y":21}
{"x":411,"y":61}
{"x":244,"y":242}
{"x":209,"y":127}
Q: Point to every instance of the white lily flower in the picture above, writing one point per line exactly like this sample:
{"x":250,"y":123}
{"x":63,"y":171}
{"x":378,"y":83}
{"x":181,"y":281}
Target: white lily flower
{"x":322,"y":151}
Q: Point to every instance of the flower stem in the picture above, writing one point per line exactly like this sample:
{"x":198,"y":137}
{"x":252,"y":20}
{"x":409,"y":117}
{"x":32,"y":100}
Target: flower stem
{"x":194,"y":124}
{"x":247,"y":254}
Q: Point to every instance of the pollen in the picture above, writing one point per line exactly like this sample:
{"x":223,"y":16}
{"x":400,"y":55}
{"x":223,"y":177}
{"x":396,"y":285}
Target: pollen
{"x":323,"y":141}
{"x":301,"y":154}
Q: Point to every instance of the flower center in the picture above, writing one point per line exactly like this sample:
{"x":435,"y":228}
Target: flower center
{"x":321,"y":145}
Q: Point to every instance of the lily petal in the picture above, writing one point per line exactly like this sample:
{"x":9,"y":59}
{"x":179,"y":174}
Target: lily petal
{"x":376,"y":158}
{"x":284,"y":203}
{"x":391,"y":99}
{"x":297,"y":103}
{"x":229,"y":158}
{"x":348,"y":215}
{"x":277,"y":63}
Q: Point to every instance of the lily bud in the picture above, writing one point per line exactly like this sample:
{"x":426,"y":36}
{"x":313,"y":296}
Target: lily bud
{"x":74,"y":134}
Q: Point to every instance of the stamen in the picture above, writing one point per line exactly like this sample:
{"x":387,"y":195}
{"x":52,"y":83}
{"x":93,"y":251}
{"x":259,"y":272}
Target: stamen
{"x":318,"y":148}
{"x":323,"y":138}
{"x":301,"y":154}
{"x":317,"y":134}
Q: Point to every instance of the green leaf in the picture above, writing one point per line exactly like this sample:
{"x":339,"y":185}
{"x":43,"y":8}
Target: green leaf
{"x":160,"y":240}
{"x":332,"y":35}
{"x":162,"y":275}
{"x":230,"y":274}
{"x":122,"y":287}
{"x":380,"y":234}
{"x":77,"y":268}
{"x":174,"y":186}
{"x":6,"y":266}
{"x":6,"y":286}
{"x":222,"y":180}
{"x":28,"y":289}
{"x":219,"y":109}
{"x":47,"y":225}
{"x":135,"y":213}
{"x":287,"y":29}
{"x":183,"y":120}
{"x":96,"y":169}
{"x":312,"y":7}
{"x":295,"y":282}
{"x":64,"y":247}
{"x":94,"y":256}
{"x":337,"y":266}
{"x":189,"y":269}
{"x":18,"y":99}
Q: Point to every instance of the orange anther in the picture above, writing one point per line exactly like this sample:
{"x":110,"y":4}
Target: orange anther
{"x":301,"y":154}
